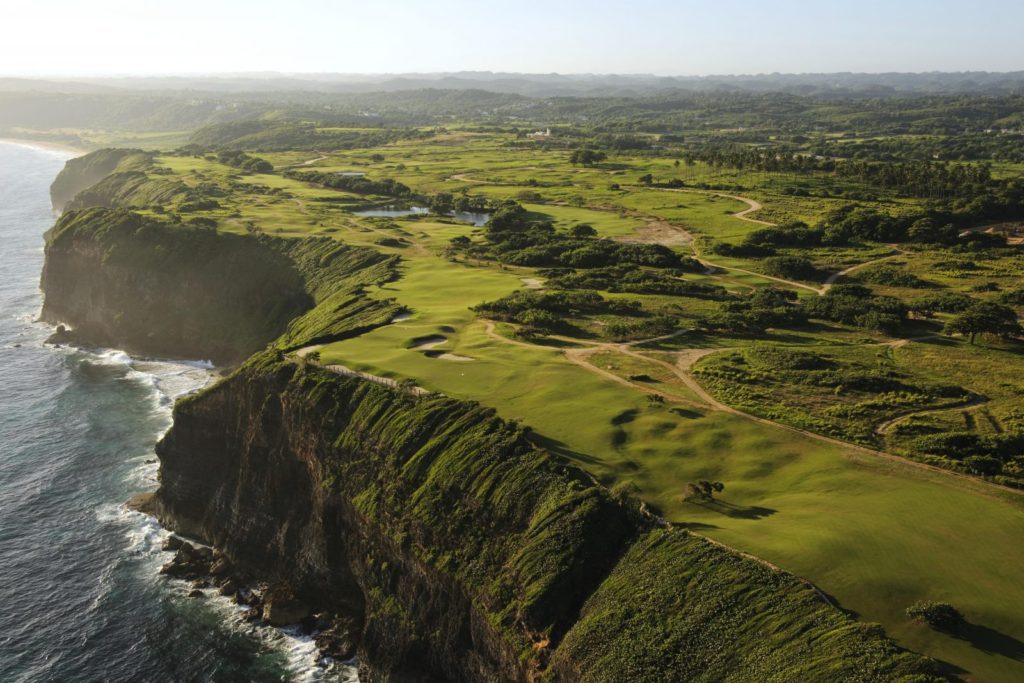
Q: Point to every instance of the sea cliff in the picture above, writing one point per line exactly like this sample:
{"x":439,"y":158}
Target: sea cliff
{"x":85,"y":171}
{"x":158,"y":288}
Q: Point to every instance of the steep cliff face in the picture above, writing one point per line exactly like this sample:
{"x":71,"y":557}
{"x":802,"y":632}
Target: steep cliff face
{"x":473,"y":556}
{"x":85,"y":171}
{"x":120,"y":279}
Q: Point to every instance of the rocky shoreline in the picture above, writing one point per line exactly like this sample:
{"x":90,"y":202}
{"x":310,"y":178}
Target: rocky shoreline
{"x":263,"y":604}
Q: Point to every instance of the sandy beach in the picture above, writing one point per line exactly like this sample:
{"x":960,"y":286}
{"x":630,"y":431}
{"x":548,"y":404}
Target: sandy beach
{"x":46,"y":145}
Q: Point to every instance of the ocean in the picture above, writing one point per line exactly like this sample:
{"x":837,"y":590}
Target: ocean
{"x":81,"y":598}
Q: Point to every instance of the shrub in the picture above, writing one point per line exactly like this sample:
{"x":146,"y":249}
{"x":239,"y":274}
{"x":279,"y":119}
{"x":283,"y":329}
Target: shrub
{"x":767,"y":357}
{"x":892,"y":276}
{"x":941,"y":616}
{"x":946,"y":302}
{"x":791,"y":267}
{"x":1012,"y":298}
{"x":984,"y":465}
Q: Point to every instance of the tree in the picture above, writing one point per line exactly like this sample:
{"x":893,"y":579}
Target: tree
{"x":587,"y":157}
{"x":704,"y":489}
{"x":582,"y":231}
{"x":442,"y":203}
{"x":985,"y":317}
{"x":313,"y":357}
{"x":941,"y":616}
{"x":647,"y":179}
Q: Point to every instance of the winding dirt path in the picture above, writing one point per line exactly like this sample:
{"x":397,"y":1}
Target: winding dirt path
{"x":791,"y":283}
{"x":580,"y":357}
{"x":846,"y":444}
{"x":307,"y":162}
{"x":884,"y":428}
{"x":464,"y":178}
{"x":831,"y":279}
{"x":752,"y":206}
{"x":685,"y":360}
{"x":745,"y":214}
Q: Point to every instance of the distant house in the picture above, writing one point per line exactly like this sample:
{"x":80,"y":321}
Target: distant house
{"x":540,"y":134}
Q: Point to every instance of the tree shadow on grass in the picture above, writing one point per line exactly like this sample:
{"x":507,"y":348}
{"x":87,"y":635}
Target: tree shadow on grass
{"x":937,"y":341}
{"x":735,"y":511}
{"x":991,"y":641}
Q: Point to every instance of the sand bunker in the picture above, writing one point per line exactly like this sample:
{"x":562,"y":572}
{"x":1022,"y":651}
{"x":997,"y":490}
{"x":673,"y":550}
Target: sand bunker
{"x":424,"y":343}
{"x":427,"y":346}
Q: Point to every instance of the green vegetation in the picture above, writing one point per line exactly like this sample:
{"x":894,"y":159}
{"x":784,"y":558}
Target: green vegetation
{"x":531,"y":314}
{"x":569,"y":575}
{"x":986,"y":317}
{"x":684,"y":594}
{"x":309,"y":290}
{"x":85,"y":171}
{"x":941,"y":616}
{"x":847,"y":393}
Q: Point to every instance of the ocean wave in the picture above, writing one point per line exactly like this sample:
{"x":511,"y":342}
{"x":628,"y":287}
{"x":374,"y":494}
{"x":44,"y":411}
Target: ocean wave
{"x":144,"y":537}
{"x":303,"y":660}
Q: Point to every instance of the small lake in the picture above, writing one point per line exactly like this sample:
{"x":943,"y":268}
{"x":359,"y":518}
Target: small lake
{"x":477,"y":219}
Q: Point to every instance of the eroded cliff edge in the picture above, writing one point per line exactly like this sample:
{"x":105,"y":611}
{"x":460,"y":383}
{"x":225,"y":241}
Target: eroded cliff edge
{"x":154,"y":287}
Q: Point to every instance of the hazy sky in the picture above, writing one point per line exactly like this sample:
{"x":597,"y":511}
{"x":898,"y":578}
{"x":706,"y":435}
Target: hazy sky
{"x":82,"y":37}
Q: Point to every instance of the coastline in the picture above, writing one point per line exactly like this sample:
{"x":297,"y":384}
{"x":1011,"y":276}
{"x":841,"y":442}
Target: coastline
{"x":46,"y":146}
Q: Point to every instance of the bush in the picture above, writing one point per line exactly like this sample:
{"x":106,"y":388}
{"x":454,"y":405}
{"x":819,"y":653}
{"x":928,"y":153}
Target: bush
{"x":854,"y":305}
{"x":892,"y":276}
{"x":946,"y":302}
{"x":768,"y":357}
{"x":941,"y":616}
{"x":984,"y":464}
{"x":791,"y":267}
{"x":1012,"y":298}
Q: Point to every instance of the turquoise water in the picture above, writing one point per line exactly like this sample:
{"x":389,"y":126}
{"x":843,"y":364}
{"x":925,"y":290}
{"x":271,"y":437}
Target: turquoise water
{"x":80,"y":596}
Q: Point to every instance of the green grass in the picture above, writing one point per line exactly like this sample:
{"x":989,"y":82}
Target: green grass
{"x":876,"y":534}
{"x":847,"y":393}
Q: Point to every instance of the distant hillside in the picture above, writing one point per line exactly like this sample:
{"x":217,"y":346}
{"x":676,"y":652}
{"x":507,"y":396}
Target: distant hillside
{"x":591,"y":85}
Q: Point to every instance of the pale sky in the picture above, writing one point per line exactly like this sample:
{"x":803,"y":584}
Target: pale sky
{"x":665,"y":37}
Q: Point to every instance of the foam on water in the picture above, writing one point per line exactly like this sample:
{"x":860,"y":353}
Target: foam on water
{"x":168,"y":381}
